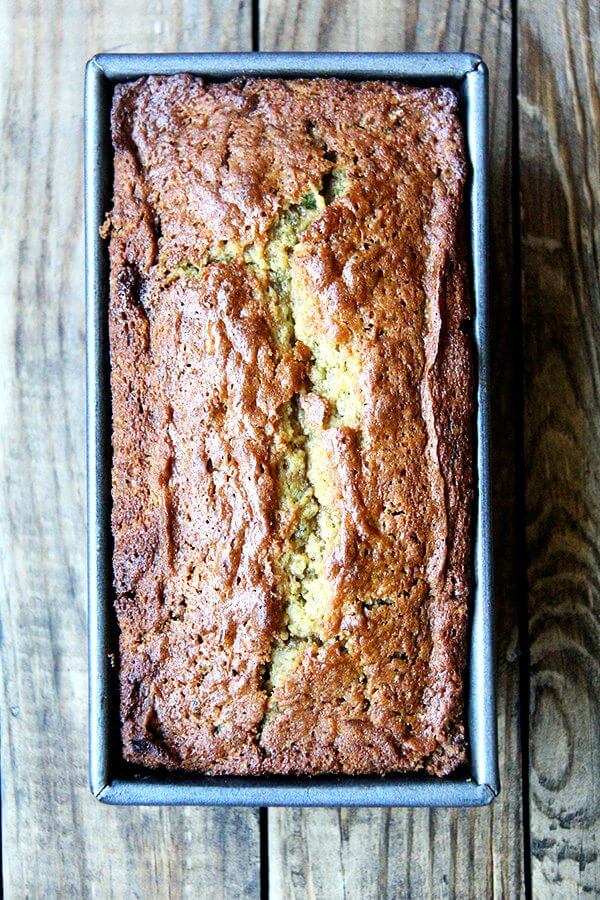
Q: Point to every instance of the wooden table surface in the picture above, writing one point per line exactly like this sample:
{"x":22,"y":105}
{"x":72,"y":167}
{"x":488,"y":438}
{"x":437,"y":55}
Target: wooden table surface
{"x":539,"y":837}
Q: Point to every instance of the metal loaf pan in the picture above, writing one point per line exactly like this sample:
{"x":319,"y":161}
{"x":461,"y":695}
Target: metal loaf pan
{"x":114,"y":781}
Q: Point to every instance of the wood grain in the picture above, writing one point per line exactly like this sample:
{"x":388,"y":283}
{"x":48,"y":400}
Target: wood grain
{"x":399,"y":853}
{"x":559,"y":114}
{"x":57,"y":840}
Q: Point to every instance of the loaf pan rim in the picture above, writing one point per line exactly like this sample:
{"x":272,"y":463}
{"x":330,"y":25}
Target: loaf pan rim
{"x":468,"y":74}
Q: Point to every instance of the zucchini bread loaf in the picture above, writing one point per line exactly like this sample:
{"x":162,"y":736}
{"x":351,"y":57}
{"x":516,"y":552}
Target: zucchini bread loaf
{"x":292,"y":396}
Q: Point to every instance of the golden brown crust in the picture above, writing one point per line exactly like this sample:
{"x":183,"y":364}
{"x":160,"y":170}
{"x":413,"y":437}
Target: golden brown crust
{"x":200,"y":385}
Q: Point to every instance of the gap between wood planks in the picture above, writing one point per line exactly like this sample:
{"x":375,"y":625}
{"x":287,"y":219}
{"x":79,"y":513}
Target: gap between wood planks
{"x":263,"y":823}
{"x":520,"y":507}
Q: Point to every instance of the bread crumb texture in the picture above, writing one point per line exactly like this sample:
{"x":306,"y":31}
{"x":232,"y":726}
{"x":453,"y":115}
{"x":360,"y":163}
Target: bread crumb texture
{"x":292,"y":416}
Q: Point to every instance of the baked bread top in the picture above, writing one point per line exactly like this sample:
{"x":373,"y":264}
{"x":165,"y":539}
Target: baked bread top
{"x":292,"y":394}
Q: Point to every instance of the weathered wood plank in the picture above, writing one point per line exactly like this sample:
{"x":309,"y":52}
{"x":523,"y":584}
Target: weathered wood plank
{"x":57,"y":840}
{"x":369,"y":854}
{"x":559,"y":115}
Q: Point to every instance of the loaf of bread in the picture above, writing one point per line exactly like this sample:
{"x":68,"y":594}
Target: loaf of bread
{"x":292,"y":396}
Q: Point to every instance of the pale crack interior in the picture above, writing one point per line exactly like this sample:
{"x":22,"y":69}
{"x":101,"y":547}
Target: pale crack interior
{"x":304,"y":477}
